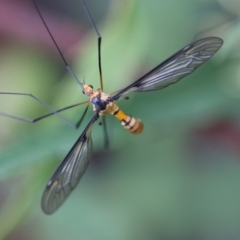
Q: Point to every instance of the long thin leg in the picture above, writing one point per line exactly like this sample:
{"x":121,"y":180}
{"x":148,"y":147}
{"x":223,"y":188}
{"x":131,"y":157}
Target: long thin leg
{"x":99,"y":42}
{"x":60,"y":110}
{"x":82,"y":117}
{"x":52,"y":111}
{"x":105,"y":133}
{"x":55,"y":43}
{"x":68,"y":67}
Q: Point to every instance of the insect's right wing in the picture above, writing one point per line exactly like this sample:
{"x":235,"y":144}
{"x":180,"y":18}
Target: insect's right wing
{"x":69,"y":172}
{"x":179,"y":65}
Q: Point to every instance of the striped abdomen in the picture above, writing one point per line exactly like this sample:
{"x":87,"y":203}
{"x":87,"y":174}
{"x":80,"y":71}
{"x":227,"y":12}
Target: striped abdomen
{"x":133,"y":125}
{"x":103,"y":106}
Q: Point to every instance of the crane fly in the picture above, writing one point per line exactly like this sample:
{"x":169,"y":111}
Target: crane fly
{"x":73,"y":166}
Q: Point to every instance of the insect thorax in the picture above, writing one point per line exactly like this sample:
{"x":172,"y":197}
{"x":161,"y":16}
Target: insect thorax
{"x":103,"y":104}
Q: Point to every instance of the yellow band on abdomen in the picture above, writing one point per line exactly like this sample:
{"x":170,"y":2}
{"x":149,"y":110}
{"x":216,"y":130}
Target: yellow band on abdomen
{"x":133,"y":125}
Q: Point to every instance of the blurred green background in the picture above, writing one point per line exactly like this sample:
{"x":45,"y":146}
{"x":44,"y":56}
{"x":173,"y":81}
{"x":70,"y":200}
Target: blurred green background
{"x":179,"y":179}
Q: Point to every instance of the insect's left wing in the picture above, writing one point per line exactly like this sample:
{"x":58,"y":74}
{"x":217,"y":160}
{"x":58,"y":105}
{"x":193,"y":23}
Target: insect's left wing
{"x":69,"y":172}
{"x":179,"y":65}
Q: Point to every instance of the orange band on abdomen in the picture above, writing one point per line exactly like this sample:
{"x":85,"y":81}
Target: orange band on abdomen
{"x":133,"y":125}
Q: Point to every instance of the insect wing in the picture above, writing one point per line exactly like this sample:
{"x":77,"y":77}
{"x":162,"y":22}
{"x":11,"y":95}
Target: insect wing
{"x":182,"y":63}
{"x":69,"y":172}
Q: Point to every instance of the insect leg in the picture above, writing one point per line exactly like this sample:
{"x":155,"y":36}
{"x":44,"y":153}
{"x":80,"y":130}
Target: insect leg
{"x":105,"y":133}
{"x":82,"y":117}
{"x":52,"y":111}
{"x":56,"y":45}
{"x":99,"y":42}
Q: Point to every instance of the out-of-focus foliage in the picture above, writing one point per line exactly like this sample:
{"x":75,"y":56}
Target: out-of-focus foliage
{"x":179,"y":179}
